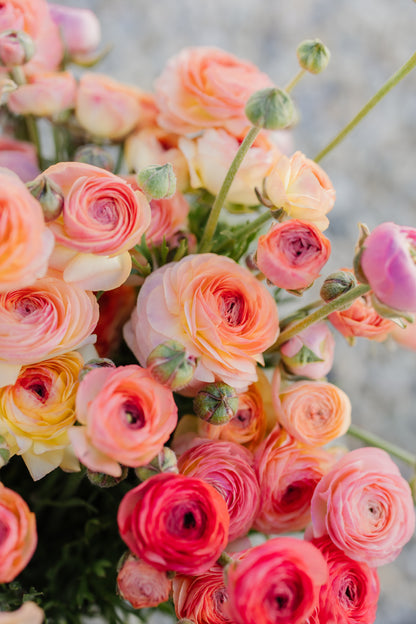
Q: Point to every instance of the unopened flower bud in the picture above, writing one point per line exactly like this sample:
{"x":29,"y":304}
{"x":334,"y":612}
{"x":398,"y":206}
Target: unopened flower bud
{"x":157,"y":181}
{"x":140,"y":583}
{"x":49,"y":195}
{"x":165,"y":461}
{"x":7,"y":86}
{"x":16,"y":48}
{"x":337,"y":284}
{"x":103,"y":480}
{"x":313,"y":55}
{"x":271,"y":109}
{"x":169,"y":364}
{"x":95,"y":363}
{"x":217,"y":403}
{"x":94,"y":155}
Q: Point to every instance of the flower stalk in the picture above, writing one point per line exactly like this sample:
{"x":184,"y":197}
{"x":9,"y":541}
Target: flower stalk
{"x":374,"y":440}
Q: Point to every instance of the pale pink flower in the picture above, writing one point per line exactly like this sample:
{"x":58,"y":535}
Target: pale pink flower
{"x":28,"y":613}
{"x":44,"y":95}
{"x":20,"y":157}
{"x":80,"y":29}
{"x":141,"y":584}
{"x":310,"y":353}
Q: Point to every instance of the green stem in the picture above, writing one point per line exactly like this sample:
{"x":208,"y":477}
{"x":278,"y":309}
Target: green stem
{"x":336,"y":304}
{"x":19,"y":78}
{"x":374,"y":440}
{"x":300,"y":313}
{"x":391,"y":82}
{"x":206,"y":240}
{"x":288,"y":88}
{"x":246,"y":230}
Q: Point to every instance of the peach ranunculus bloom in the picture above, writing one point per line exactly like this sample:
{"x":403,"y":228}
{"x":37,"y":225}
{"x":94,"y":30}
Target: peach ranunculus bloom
{"x":314,"y":412}
{"x":38,"y":411}
{"x":361,"y":320}
{"x":32,"y":16}
{"x":18,"y":536}
{"x":215,"y":308}
{"x":44,"y":95}
{"x":365,"y":506}
{"x":28,"y":613}
{"x":405,"y":337}
{"x":25,"y":242}
{"x":210,"y":154}
{"x":141,"y":584}
{"x":20,"y":157}
{"x":302,"y":188}
{"x":126,"y":417}
{"x":205,"y":87}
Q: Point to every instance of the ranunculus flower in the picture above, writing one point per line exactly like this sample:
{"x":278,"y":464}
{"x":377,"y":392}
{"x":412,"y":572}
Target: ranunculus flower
{"x":126,"y":418}
{"x":365,"y":506}
{"x":204,"y":87}
{"x":32,"y":16}
{"x":313,"y":412}
{"x":288,"y":473}
{"x":406,"y":337}
{"x":310,"y":353}
{"x":174,"y":523}
{"x":278,"y":581}
{"x":28,"y":613}
{"x":228,"y":468}
{"x":20,"y":157}
{"x":38,"y":410}
{"x":301,"y":188}
{"x":79,"y":28}
{"x":141,"y":584}
{"x":387,"y":262}
{"x":215,"y":308}
{"x":107,"y":108}
{"x":18,"y":536}
{"x":292,"y":254}
{"x":350,"y":596}
{"x":210,"y":154}
{"x":25,"y":242}
{"x":115,"y":309}
{"x":362,"y":321}
{"x":46,"y":319}
{"x":44,"y":95}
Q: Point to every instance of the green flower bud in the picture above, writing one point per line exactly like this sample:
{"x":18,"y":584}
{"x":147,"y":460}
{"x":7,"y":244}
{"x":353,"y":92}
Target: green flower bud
{"x":271,"y":109}
{"x":16,"y":48}
{"x":5,"y":452}
{"x":165,"y":461}
{"x":94,"y":155}
{"x":157,"y":181}
{"x":337,"y":284}
{"x":96,"y":363}
{"x":103,"y":480}
{"x":169,"y":364}
{"x":217,"y":403}
{"x":313,"y":55}
{"x":49,"y":195}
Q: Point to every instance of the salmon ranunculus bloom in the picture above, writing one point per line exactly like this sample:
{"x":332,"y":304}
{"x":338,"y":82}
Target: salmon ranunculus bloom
{"x":291,"y":254}
{"x":313,"y":412}
{"x":44,"y":95}
{"x":18,"y":536}
{"x":174,"y":523}
{"x":204,"y":87}
{"x":141,"y":584}
{"x":361,"y":320}
{"x":301,"y":188}
{"x":365,"y":506}
{"x":215,"y":308}
{"x":38,"y":411}
{"x":126,"y":418}
{"x":25,"y":242}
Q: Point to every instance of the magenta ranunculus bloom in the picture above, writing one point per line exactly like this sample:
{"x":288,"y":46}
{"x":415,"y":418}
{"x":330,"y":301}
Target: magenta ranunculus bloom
{"x":388,"y":263}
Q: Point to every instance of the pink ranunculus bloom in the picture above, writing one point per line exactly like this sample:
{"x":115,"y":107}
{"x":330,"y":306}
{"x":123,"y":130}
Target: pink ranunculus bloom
{"x":141,"y":584}
{"x":80,"y":29}
{"x":388,"y":263}
{"x":20,"y":157}
{"x":107,"y":108}
{"x":278,"y":581}
{"x":18,"y":536}
{"x":126,"y":418}
{"x":205,"y":87}
{"x":215,"y":308}
{"x":310,"y":353}
{"x":288,"y":473}
{"x":32,"y":17}
{"x":350,"y":596}
{"x":302,"y":189}
{"x":28,"y":613}
{"x":174,"y":523}
{"x":211,"y":153}
{"x":365,"y":506}
{"x":25,"y":242}
{"x":228,"y":468}
{"x":44,"y":95}
{"x":46,"y":319}
{"x":292,"y":254}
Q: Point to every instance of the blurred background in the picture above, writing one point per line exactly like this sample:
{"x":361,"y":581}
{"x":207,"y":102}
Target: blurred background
{"x":373,"y":170}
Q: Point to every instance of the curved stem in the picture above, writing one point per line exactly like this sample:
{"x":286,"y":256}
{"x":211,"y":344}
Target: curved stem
{"x":246,"y":230}
{"x":206,"y":240}
{"x":374,"y":440}
{"x":290,"y":85}
{"x":391,"y":82}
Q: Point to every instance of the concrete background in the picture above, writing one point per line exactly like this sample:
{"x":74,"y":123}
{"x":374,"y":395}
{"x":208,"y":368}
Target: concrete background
{"x":373,"y":170}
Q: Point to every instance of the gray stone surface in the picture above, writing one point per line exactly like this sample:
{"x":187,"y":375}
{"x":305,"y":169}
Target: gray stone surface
{"x":373,"y":170}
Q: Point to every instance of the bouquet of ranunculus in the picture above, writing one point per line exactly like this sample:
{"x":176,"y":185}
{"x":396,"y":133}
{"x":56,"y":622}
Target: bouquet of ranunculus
{"x":180,"y":440}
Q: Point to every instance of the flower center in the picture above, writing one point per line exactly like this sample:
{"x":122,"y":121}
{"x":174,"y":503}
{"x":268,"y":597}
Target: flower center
{"x":104,"y":211}
{"x":133,"y":415}
{"x":231,"y":308}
